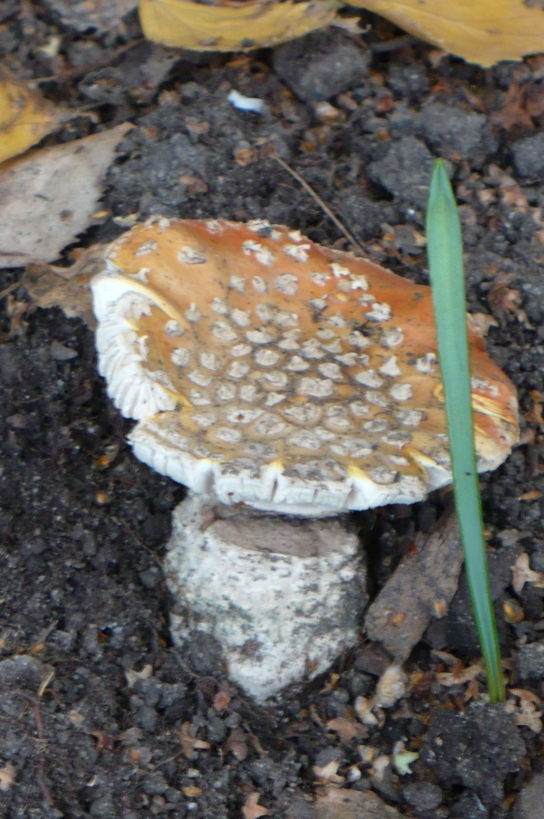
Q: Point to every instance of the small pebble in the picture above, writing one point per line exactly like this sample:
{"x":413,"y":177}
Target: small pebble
{"x":59,"y":352}
{"x":422,"y":795}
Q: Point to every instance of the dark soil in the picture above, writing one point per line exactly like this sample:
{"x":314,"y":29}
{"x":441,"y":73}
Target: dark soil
{"x":99,"y":715}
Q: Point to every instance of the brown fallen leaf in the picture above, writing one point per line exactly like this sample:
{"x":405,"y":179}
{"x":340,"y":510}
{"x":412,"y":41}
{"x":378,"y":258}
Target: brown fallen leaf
{"x":221,"y":700}
{"x":66,"y":287}
{"x":512,"y":611}
{"x":472,"y":691}
{"x":522,"y":574}
{"x":236,"y":744}
{"x":481,"y":31}
{"x":190,"y":744}
{"x":483,"y":322}
{"x":191,"y":791}
{"x":327,"y":774}
{"x":7,"y":777}
{"x":50,"y":196}
{"x":526,"y":711}
{"x":449,"y":678}
{"x":350,"y":804}
{"x":534,"y":494}
{"x":525,"y":695}
{"x":347,"y":729}
{"x":25,"y":116}
{"x":252,"y":809}
{"x":229,"y":25}
{"x":514,"y":113}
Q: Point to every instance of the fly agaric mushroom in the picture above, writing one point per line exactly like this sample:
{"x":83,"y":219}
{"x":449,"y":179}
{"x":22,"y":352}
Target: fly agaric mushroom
{"x":277,"y":373}
{"x":269,"y":372}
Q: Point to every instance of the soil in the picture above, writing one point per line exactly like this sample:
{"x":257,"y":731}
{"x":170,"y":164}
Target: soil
{"x":99,"y":715}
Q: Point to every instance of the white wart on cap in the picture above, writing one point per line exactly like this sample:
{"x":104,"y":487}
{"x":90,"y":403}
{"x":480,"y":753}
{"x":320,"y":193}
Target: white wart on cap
{"x":274,"y":372}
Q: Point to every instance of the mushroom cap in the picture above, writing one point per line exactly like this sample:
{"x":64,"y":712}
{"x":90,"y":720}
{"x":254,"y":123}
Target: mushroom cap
{"x":278,"y":373}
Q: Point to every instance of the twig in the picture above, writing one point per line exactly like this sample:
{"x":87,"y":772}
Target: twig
{"x":40,"y":742}
{"x":8,"y":290}
{"x":324,"y":207}
{"x":80,"y":71}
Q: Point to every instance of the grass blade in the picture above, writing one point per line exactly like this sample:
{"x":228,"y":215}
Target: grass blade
{"x":445,"y":254}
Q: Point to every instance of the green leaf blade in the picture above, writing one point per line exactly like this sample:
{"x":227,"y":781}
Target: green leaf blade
{"x":445,"y":254}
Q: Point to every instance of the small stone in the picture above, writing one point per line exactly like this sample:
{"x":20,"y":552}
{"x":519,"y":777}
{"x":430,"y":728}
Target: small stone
{"x":405,"y":172}
{"x":23,"y":671}
{"x":10,"y":365}
{"x":422,"y":795}
{"x":172,"y":795}
{"x":478,"y":748}
{"x":530,"y":661}
{"x":155,"y":783}
{"x":468,"y":806}
{"x":528,"y":156}
{"x":172,"y":693}
{"x":103,"y":807}
{"x":59,"y":352}
{"x":529,"y":802}
{"x":321,"y":65}
{"x":452,"y":131}
{"x":216,"y":729}
{"x":361,"y":214}
{"x":149,"y":690}
{"x":408,"y":80}
{"x":146,"y":718}
{"x":150,"y":577}
{"x":372,"y":659}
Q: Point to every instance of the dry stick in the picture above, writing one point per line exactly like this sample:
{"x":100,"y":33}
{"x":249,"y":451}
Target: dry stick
{"x":9,"y":289}
{"x":40,"y":743}
{"x":325,"y":208}
{"x":41,"y":782}
{"x":80,"y":71}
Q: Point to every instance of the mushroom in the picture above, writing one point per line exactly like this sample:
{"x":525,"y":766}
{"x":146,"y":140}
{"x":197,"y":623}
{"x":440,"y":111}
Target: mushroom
{"x":280,"y":374}
{"x":275,"y":374}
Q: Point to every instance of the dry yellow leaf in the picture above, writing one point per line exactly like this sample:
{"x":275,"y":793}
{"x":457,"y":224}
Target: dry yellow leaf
{"x":25,"y":117}
{"x":231,"y":25}
{"x":480,"y":31}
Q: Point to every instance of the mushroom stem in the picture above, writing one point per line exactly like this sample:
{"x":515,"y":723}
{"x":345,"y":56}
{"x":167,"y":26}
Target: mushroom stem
{"x":283,"y":597}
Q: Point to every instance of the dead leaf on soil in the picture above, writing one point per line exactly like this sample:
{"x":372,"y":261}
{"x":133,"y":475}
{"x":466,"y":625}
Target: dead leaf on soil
{"x":7,"y":777}
{"x":459,"y":677}
{"x":252,"y":809}
{"x":66,"y":287}
{"x":25,"y":116}
{"x":328,"y":774}
{"x":236,"y":744}
{"x":132,"y":676}
{"x":48,"y":197}
{"x":522,"y":574}
{"x":483,"y":322}
{"x":526,"y":712}
{"x":347,"y":729}
{"x":191,"y":791}
{"x":349,"y":804}
{"x":190,"y":744}
{"x":229,"y":25}
{"x":481,"y":31}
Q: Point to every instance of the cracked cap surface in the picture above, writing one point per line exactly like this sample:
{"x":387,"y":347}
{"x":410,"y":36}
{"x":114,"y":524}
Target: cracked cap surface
{"x":273,"y":371}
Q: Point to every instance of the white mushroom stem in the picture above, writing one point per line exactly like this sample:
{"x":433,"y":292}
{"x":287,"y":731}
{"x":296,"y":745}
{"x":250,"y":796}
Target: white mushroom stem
{"x":282,"y":597}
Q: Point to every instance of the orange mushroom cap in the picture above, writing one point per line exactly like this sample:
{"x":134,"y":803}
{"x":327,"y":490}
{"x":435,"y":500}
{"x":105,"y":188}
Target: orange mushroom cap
{"x":282,"y":374}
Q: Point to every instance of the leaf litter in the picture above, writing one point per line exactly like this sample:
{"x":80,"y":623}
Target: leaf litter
{"x":50,"y":196}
